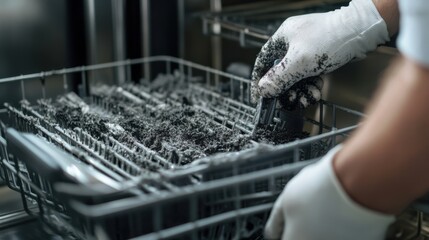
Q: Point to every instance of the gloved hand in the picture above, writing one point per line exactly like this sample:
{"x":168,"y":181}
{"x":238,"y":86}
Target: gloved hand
{"x":313,"y":205}
{"x":313,"y":44}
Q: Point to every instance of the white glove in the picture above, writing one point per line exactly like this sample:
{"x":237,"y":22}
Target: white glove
{"x":313,"y":44}
{"x":313,"y":205}
{"x":414,"y":31}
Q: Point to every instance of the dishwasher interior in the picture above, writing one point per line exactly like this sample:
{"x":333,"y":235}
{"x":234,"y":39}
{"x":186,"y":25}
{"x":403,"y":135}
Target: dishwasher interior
{"x":162,"y":148}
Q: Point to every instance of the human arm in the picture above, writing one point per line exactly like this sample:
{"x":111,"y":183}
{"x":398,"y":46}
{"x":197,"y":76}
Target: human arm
{"x":378,"y":172}
{"x":389,"y":11}
{"x":384,"y":165}
{"x":396,"y":135}
{"x":382,"y":168}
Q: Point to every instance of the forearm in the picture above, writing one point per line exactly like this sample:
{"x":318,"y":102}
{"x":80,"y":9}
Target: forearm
{"x":384,"y":165}
{"x":389,"y":11}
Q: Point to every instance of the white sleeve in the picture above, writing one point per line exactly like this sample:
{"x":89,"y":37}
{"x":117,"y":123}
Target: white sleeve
{"x":413,"y":39}
{"x":315,"y":205}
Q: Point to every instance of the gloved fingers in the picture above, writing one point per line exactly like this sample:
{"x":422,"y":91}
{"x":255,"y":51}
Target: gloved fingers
{"x":284,"y":75}
{"x":299,"y":63}
{"x":302,"y":94}
{"x":276,"y":222}
{"x":309,"y":96}
{"x":302,"y":101}
{"x":305,"y":101}
{"x":312,"y":92}
{"x":259,"y":62}
{"x":275,"y":48}
{"x":257,"y":71}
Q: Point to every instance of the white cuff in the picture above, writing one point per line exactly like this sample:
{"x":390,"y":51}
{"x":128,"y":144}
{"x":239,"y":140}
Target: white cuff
{"x":372,"y":223}
{"x":367,"y":215}
{"x":314,"y":205}
{"x":413,"y":38}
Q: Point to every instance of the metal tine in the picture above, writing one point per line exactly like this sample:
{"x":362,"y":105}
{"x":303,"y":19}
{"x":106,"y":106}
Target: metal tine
{"x":78,"y":139}
{"x":146,"y":151}
{"x":241,"y":91}
{"x":81,"y":155}
{"x":129,"y":169}
{"x":220,"y":118}
{"x":227,"y":113}
{"x":153,"y":155}
{"x":168,"y":149}
{"x":130,"y":96}
{"x":100,"y":102}
{"x":73,"y":100}
{"x":238,"y":110}
{"x":63,"y":145}
{"x":138,"y":158}
{"x":224,"y":120}
{"x":89,"y":141}
{"x":233,"y":113}
{"x":199,"y":91}
{"x":143,"y":95}
{"x":234,"y":125}
{"x":236,"y":117}
{"x":241,"y":117}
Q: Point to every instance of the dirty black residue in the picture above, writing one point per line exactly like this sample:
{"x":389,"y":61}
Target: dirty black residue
{"x":74,"y":118}
{"x":278,"y":137}
{"x":176,"y":131}
{"x":321,"y":61}
{"x":323,"y":64}
{"x":183,"y":130}
{"x":275,"y":49}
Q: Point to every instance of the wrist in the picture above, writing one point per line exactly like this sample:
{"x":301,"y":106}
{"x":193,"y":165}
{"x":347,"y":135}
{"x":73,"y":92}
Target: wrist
{"x":389,"y":11}
{"x":367,"y":25}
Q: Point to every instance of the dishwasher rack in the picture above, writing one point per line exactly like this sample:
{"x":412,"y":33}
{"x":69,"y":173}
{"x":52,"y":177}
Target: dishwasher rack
{"x":100,"y":189}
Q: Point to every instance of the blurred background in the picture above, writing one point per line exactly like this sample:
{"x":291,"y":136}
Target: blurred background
{"x":42,"y":35}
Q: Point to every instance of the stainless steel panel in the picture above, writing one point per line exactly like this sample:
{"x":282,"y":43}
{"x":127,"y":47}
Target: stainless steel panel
{"x":33,"y":38}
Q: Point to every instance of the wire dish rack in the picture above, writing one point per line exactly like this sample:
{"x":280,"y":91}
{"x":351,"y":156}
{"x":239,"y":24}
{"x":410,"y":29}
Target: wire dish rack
{"x":100,"y":188}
